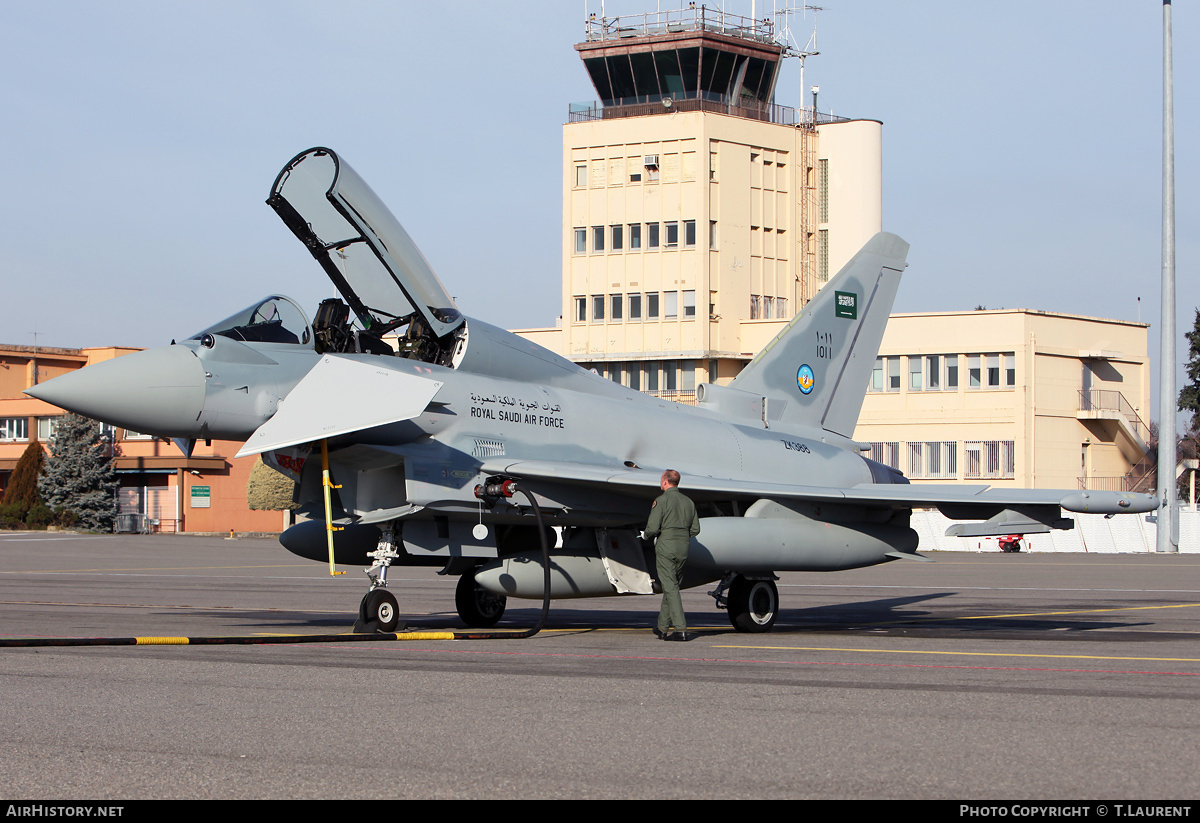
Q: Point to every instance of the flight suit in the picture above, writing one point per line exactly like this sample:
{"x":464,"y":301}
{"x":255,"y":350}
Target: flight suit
{"x":673,"y":520}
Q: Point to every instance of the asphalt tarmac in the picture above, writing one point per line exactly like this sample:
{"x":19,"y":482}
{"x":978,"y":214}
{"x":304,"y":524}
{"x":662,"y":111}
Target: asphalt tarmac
{"x":978,"y":676}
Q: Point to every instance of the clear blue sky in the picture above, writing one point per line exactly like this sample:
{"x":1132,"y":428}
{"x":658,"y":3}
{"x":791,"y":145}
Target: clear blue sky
{"x":1021,"y":150}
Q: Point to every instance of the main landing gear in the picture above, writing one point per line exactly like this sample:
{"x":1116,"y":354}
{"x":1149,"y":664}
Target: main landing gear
{"x":478,"y":608}
{"x":752,"y":603}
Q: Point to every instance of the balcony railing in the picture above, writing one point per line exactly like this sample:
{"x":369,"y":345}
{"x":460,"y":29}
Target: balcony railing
{"x":1091,"y":400}
{"x":699,"y":101}
{"x":696,"y":18}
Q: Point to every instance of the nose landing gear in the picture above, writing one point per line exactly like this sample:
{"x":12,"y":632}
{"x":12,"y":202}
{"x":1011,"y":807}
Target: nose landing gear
{"x":379,"y":611}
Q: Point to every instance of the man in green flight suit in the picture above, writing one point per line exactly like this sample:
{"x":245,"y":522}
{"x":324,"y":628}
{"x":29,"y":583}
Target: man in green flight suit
{"x":673,"y":520}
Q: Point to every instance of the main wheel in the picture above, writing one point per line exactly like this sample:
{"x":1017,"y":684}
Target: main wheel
{"x":379,"y":606}
{"x":477,"y":607}
{"x":753,"y":604}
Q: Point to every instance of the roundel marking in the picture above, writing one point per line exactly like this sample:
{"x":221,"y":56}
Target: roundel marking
{"x":805,"y":379}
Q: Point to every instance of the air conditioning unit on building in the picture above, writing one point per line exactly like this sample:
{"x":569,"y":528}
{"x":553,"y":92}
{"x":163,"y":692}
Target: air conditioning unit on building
{"x":650,"y":161}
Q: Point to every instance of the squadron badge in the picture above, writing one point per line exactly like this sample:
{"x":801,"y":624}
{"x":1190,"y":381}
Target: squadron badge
{"x":805,"y":379}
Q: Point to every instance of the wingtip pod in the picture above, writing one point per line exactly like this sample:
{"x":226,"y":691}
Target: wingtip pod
{"x":1102,"y":502}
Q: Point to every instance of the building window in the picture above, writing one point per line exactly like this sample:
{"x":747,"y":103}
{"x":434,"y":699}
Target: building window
{"x":597,"y":306}
{"x":887,"y":453}
{"x":670,"y":304}
{"x":672,"y":234}
{"x":989,"y":458}
{"x":689,"y":233}
{"x":635,"y":376}
{"x":712,"y":234}
{"x":580,"y":309}
{"x":687,"y":373}
{"x":581,"y":175}
{"x":652,"y":376}
{"x":933,"y":460}
{"x":755,"y":307}
{"x":14,"y":428}
{"x":635,"y":307}
{"x":652,"y":235}
{"x":991,"y":371}
{"x":581,"y":241}
{"x":597,"y":238}
{"x":823,"y":192}
{"x":669,"y":376}
{"x":885,"y":376}
{"x":925,"y":373}
{"x":47,"y":426}
{"x":618,"y":238}
{"x":823,"y":255}
{"x":914,"y":373}
{"x":652,"y":306}
{"x":933,"y":372}
{"x":876,"y":381}
{"x":635,"y":236}
{"x":689,"y":304}
{"x":616,"y":301}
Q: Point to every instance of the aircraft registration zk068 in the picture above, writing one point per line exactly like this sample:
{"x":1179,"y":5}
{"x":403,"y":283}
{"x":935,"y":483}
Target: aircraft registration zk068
{"x":429,"y":442}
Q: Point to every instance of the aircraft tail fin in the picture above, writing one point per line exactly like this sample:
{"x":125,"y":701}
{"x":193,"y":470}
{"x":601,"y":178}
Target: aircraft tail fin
{"x":815,"y":371}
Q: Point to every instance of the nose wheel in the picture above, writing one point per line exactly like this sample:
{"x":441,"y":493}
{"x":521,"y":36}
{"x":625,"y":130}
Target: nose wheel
{"x":378,"y":611}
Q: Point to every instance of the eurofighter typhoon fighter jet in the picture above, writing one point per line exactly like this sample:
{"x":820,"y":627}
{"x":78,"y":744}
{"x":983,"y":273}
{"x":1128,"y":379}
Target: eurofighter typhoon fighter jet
{"x":428,"y":444}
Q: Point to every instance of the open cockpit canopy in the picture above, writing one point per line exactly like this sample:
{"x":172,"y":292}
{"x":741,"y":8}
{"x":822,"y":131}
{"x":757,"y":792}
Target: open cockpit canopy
{"x":274,"y":319}
{"x":363,"y":248}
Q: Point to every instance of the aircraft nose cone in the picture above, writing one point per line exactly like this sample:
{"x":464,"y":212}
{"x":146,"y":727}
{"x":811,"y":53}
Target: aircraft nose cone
{"x":156,"y":391}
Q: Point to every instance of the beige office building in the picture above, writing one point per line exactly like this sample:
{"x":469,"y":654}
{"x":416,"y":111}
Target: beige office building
{"x":699,"y":217}
{"x":1011,"y":397}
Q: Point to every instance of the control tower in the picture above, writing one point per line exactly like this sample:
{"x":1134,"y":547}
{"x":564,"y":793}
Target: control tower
{"x":696,"y":210}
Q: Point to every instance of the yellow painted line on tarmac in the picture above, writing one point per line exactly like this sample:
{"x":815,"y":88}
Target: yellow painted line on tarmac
{"x":964,"y":654}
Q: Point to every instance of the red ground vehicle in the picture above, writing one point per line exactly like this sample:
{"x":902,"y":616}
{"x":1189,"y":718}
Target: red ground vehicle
{"x":1010,"y":543}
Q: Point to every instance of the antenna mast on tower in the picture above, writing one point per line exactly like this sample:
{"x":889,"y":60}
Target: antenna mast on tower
{"x":791,"y":46}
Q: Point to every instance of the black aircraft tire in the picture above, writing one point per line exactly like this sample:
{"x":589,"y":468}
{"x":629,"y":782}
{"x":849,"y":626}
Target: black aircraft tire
{"x":379,"y":606}
{"x":478,"y":608}
{"x":753,"y":605}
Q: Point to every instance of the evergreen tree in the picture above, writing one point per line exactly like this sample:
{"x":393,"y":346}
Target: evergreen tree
{"x":79,"y":475}
{"x":23,"y":484}
{"x":1189,"y":397}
